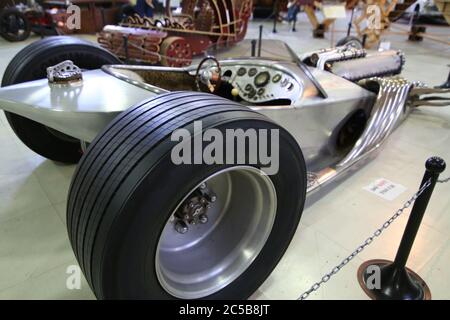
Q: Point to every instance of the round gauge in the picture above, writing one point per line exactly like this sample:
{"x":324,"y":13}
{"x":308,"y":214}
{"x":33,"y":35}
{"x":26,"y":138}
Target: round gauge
{"x":251,"y":93}
{"x":276,"y":78}
{"x":252,"y":72}
{"x":248,"y":87}
{"x":241,"y":71}
{"x":262,"y":79}
{"x":261,"y":91}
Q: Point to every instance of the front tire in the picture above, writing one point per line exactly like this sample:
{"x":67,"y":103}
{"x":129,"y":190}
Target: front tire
{"x":31,"y":64}
{"x":126,"y":189}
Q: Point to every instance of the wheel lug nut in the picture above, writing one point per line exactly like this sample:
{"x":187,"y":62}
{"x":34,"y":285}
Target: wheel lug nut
{"x":181,"y":227}
{"x":203,"y":218}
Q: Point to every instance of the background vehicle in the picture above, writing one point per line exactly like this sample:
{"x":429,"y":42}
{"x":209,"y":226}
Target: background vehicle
{"x":48,"y":17}
{"x":174,"y":39}
{"x":14,"y":23}
{"x":426,"y":11}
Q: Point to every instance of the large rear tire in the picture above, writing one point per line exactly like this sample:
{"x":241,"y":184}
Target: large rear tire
{"x":125,"y":197}
{"x":31,"y":64}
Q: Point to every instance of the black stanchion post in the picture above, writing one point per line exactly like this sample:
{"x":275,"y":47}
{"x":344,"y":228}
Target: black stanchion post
{"x":349,"y":28}
{"x":125,"y":44}
{"x":253,"y":48}
{"x":416,"y":30}
{"x":364,"y":39}
{"x":275,"y":16}
{"x":274,"y":30}
{"x":260,"y":40}
{"x":397,"y":282}
{"x":434,"y":166}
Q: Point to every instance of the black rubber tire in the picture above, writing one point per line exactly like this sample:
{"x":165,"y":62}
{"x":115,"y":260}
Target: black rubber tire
{"x":348,"y":39}
{"x":4,"y":29}
{"x":126,"y":187}
{"x":31,"y":64}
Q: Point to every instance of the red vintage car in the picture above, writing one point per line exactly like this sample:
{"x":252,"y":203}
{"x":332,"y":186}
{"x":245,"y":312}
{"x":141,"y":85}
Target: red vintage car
{"x":48,"y":17}
{"x":174,"y":39}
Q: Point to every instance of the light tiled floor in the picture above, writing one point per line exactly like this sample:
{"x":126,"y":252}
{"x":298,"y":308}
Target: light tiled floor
{"x":35,"y":251}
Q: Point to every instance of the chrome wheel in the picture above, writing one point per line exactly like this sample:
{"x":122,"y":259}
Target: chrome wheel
{"x":202,"y":250}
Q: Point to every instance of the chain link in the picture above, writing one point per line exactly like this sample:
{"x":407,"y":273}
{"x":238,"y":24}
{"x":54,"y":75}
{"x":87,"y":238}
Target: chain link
{"x":444,"y":180}
{"x":368,"y":241}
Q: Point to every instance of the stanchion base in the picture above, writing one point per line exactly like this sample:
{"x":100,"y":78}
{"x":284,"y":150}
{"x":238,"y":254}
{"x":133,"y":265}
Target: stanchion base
{"x":395,"y":284}
{"x":318,"y":33}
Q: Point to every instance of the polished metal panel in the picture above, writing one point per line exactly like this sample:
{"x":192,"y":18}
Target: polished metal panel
{"x":315,"y":122}
{"x":80,"y":109}
{"x":128,"y":74}
{"x":388,"y":112}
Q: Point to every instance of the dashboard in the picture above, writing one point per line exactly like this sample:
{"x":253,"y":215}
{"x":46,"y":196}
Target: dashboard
{"x":262,"y":83}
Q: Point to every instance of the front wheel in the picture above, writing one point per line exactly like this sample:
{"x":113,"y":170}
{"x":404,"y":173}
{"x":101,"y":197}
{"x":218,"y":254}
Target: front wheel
{"x":145,"y":226}
{"x":31,"y":64}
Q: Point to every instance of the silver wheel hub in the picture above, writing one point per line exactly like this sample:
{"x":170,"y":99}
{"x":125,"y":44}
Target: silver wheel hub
{"x":216,"y":232}
{"x":194,"y":209}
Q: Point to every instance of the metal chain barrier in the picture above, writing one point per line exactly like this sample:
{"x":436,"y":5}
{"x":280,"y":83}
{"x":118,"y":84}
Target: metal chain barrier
{"x":368,"y":241}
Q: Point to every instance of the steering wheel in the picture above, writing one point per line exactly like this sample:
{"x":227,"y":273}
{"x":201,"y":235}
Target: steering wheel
{"x":210,"y":76}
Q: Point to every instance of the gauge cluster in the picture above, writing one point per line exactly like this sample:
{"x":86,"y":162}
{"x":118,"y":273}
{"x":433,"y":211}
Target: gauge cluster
{"x":262,"y":83}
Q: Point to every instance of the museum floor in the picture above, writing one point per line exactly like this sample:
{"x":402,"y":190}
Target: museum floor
{"x":35,"y":252}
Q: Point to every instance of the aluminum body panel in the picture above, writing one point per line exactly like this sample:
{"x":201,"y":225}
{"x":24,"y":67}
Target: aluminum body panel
{"x":83,"y":109}
{"x":389,"y":111}
{"x":79,"y":109}
{"x":315,"y":121}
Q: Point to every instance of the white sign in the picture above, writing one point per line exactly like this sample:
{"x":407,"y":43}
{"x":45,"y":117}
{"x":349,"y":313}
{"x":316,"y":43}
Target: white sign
{"x":384,"y":46}
{"x":385,"y":189}
{"x":334,"y":11}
